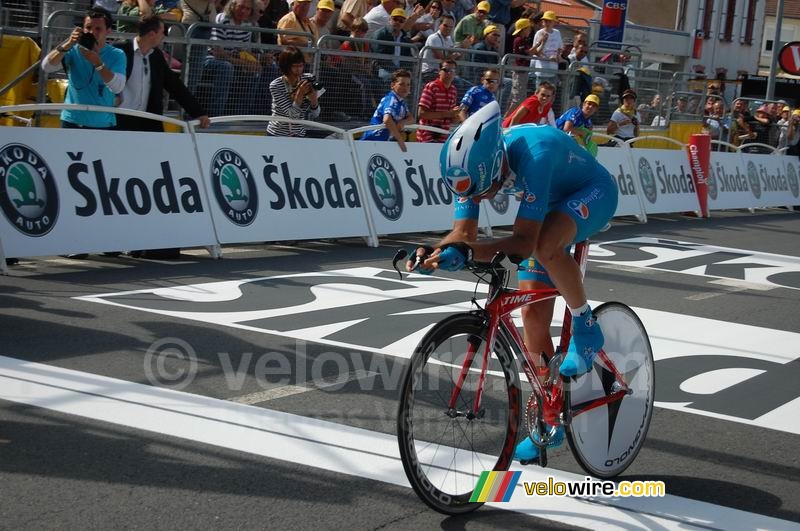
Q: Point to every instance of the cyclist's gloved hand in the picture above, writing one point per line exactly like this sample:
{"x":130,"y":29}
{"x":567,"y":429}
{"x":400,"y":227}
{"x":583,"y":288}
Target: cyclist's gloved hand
{"x":416,"y":261}
{"x":455,"y":256}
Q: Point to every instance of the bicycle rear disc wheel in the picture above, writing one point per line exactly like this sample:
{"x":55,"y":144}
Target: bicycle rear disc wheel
{"x":443,"y":451}
{"x":605,"y":440}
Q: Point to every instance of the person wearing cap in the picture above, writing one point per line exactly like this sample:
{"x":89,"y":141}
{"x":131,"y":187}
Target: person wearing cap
{"x":351,"y":10}
{"x":625,"y":120}
{"x":392,"y":34}
{"x":500,"y":16}
{"x":473,"y":24}
{"x":297,"y":20}
{"x":519,"y":75}
{"x":535,"y":109}
{"x":577,"y":121}
{"x":783,"y":126}
{"x":322,"y":17}
{"x":761,"y":128}
{"x":549,"y":43}
{"x":793,"y":134}
{"x":379,"y":16}
{"x":481,"y":95}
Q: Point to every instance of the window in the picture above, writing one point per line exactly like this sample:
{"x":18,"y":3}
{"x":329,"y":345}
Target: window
{"x":750,"y":21}
{"x":768,"y":47}
{"x":708,"y":16}
{"x":729,"y":16}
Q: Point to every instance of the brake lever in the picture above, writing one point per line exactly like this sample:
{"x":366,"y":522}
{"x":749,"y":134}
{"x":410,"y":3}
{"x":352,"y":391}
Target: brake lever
{"x":398,"y":256}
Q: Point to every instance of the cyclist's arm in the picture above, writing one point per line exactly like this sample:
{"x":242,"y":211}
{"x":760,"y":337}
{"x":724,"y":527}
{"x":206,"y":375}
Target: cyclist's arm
{"x":521,"y":243}
{"x":464,"y":230}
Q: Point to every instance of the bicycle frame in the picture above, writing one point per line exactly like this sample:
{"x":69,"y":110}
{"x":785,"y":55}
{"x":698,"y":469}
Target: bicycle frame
{"x":501,"y":302}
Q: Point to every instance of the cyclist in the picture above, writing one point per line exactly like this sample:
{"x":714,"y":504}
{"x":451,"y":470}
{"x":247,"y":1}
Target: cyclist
{"x":566,"y":196}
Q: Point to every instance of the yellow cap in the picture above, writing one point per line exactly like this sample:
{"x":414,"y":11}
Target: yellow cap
{"x":591,"y":98}
{"x":489,"y":29}
{"x":399,"y":12}
{"x":484,"y":6}
{"x":326,"y":4}
{"x":786,"y":108}
{"x":796,"y":112}
{"x":549,"y":15}
{"x":585,"y":70}
{"x":521,"y":24}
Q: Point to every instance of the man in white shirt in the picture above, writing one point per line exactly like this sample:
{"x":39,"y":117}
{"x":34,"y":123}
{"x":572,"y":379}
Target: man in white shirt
{"x":548,"y":40}
{"x":441,"y":39}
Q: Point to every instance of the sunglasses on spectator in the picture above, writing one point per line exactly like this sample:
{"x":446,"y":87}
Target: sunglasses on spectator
{"x":447,"y":69}
{"x":492,"y":81}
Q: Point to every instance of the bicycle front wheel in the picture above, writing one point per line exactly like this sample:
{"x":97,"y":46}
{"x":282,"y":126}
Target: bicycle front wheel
{"x":605,"y":440}
{"x":444,"y":450}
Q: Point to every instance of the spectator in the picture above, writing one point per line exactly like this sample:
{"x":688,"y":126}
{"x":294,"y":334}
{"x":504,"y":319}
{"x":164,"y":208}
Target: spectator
{"x":297,"y":20}
{"x":783,"y":126}
{"x":395,"y":34}
{"x":624,"y":123}
{"x":273,"y":13}
{"x":140,"y":8}
{"x":519,"y":76}
{"x":95,"y":75}
{"x":378,"y":17}
{"x":681,"y":105}
{"x":430,"y":21}
{"x":760,"y":127}
{"x":583,"y":76}
{"x":197,"y":11}
{"x":500,"y":16}
{"x":437,"y":103}
{"x":650,"y":110}
{"x":548,"y":41}
{"x":479,"y":95}
{"x":714,"y":123}
{"x":233,"y":69}
{"x":472,"y":24}
{"x":793,"y":134}
{"x":393,"y":111}
{"x":740,"y":125}
{"x":443,"y":41}
{"x":577,"y":121}
{"x":292,"y":95}
{"x":147,"y":76}
{"x":351,"y":10}
{"x":536,"y":109}
{"x":361,"y":69}
{"x":322,"y":17}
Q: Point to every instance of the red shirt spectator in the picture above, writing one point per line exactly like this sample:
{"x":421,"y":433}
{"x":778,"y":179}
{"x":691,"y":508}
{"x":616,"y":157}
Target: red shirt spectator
{"x":438,"y":106}
{"x":535,"y":109}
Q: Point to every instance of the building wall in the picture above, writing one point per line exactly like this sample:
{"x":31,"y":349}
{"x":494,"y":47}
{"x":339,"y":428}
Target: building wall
{"x":654,"y":13}
{"x":790,"y":31}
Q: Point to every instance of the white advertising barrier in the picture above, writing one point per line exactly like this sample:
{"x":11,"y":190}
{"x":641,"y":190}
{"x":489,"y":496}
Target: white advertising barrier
{"x":767,"y":181}
{"x":727,"y":182}
{"x":405,"y":190}
{"x":274,"y":188}
{"x":617,"y":160}
{"x":73,"y":191}
{"x":791,"y":164}
{"x":665,"y":180}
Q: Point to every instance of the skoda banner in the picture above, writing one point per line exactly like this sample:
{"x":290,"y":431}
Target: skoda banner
{"x":666,"y":181}
{"x":769,"y":182}
{"x":274,"y":188}
{"x":70,"y":191}
{"x":617,"y":161}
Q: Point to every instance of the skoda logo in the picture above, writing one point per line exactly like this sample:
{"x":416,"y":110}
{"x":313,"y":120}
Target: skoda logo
{"x":234,"y":187}
{"x":791,"y":176}
{"x":28,"y":193}
{"x":711,"y":182}
{"x":500,"y":203}
{"x":648,"y":180}
{"x":752,"y":178}
{"x":384,"y":186}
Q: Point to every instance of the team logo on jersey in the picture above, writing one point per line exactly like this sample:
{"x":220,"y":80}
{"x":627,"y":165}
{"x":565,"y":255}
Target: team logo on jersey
{"x":28,"y":193}
{"x":579,"y":207}
{"x":752,"y":178}
{"x":530,"y":198}
{"x":500,"y":203}
{"x":648,"y":179}
{"x":234,"y":187}
{"x":458,"y":180}
{"x":791,"y":177}
{"x":385,"y":187}
{"x":462,"y":199}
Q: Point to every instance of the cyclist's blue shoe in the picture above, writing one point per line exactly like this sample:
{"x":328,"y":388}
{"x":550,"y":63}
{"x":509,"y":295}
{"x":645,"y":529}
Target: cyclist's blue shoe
{"x":527,"y":451}
{"x":587,"y":340}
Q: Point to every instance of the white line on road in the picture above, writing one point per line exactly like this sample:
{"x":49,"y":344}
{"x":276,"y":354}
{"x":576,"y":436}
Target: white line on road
{"x":326,"y":445}
{"x":289,"y":390}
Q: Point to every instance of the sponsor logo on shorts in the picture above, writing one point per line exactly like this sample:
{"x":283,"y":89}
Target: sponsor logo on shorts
{"x":579,"y":207}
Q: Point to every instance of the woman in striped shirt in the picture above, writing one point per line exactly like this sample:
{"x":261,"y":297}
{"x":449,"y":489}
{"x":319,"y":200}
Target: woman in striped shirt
{"x":292,"y":96}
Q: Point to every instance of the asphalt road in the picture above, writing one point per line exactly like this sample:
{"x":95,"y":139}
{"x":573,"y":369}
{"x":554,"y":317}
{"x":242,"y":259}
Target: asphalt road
{"x":259,"y":391}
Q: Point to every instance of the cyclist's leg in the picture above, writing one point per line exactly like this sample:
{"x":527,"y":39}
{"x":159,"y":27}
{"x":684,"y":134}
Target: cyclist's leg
{"x":580,"y":215}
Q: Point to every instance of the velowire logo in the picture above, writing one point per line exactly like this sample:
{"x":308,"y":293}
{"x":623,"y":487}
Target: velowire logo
{"x":648,"y":180}
{"x":752,"y":178}
{"x":28,"y":193}
{"x":234,"y":187}
{"x":385,"y":187}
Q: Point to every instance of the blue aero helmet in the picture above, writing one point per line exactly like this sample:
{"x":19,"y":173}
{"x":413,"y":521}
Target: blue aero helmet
{"x":471,"y":159}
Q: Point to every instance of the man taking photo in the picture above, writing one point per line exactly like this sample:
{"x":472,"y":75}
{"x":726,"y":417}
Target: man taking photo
{"x":95,"y":69}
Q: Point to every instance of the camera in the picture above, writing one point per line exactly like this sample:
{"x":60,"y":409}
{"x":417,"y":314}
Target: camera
{"x":313,"y":80}
{"x":87,"y":40}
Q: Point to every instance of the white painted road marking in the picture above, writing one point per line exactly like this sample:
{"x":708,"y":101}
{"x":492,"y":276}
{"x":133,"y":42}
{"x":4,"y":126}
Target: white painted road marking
{"x":326,"y":445}
{"x":289,"y":390}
